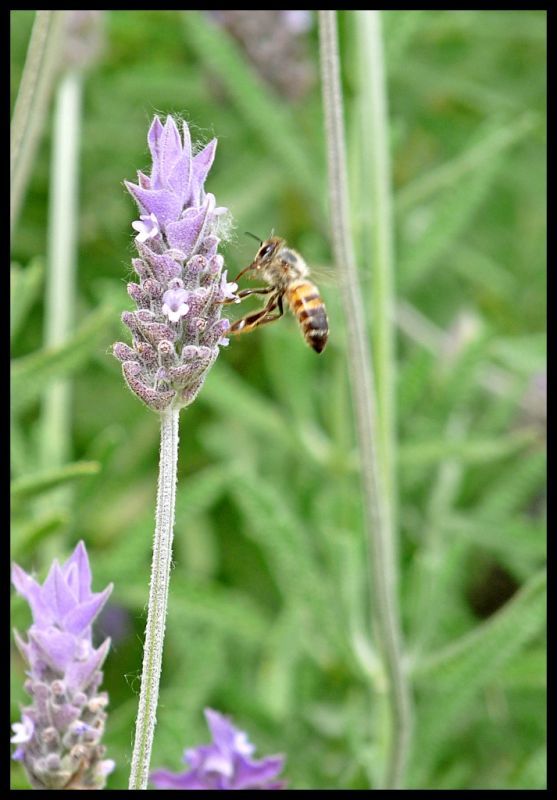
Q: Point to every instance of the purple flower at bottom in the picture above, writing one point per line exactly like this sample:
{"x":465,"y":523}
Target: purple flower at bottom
{"x":59,"y":738}
{"x":226,"y":763}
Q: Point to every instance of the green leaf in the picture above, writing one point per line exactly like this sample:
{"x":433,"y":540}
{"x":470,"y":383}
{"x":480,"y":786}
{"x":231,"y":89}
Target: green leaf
{"x":451,"y":678}
{"x":414,"y":378}
{"x":25,"y":285}
{"x":446,"y":220}
{"x":25,"y":538}
{"x":427,"y":452}
{"x":523,"y":539}
{"x":229,"y":612}
{"x":523,"y":354}
{"x":200,"y":491}
{"x":491,"y":644}
{"x":473,"y":159}
{"x":515,"y":486}
{"x":30,"y":374}
{"x":532,"y":773}
{"x":399,"y":28}
{"x":284,"y":538}
{"x":237,"y":401}
{"x":527,"y":671}
{"x":277,"y":666}
{"x":40,"y":482}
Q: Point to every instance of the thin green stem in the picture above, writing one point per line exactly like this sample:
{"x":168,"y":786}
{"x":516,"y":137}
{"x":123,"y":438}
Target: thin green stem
{"x":158,"y":600}
{"x":376,"y":172}
{"x":377,"y":500}
{"x":60,"y":276}
{"x":32,"y":101}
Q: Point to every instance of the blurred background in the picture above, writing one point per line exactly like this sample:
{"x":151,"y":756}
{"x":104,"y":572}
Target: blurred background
{"x":267,"y":617}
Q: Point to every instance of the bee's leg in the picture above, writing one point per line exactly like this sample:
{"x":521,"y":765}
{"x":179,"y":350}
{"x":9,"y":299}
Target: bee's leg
{"x":251,"y":321}
{"x":248,"y":292}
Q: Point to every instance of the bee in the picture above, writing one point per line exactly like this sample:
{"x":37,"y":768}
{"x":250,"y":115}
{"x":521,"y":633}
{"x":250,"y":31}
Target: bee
{"x":286,"y":275}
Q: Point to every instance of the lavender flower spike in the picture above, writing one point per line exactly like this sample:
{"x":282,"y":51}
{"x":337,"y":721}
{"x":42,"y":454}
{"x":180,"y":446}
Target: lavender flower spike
{"x":58,"y":739}
{"x":177,"y":328}
{"x":226,"y":763}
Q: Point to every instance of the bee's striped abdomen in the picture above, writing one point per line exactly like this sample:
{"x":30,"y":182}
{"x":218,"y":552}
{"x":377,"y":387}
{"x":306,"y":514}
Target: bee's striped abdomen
{"x":306,"y":303}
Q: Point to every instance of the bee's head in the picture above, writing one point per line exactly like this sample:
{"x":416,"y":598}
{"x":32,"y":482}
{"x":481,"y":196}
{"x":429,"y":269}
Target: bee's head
{"x":267,"y":251}
{"x":264,"y":255}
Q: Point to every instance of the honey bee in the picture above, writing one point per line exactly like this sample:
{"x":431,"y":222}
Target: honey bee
{"x":286,"y":274}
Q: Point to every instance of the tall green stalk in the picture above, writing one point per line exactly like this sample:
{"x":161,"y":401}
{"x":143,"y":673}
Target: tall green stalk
{"x":32,"y":101}
{"x":375,"y":484}
{"x":60,"y":276}
{"x":376,"y":198}
{"x":158,"y":601}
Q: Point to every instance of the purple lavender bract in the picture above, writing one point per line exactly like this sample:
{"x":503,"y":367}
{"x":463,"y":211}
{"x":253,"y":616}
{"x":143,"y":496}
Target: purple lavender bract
{"x":177,"y":328}
{"x":59,"y":736}
{"x":224,"y":764}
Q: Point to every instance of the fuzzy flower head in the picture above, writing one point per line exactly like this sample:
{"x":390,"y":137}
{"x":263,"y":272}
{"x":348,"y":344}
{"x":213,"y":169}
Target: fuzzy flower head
{"x":226,"y":763}
{"x":58,"y":738}
{"x":177,"y":328}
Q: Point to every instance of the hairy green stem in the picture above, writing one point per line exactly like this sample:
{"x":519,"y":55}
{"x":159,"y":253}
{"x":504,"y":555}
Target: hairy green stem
{"x":60,"y":275}
{"x":377,"y":499}
{"x":158,"y":600}
{"x":32,"y":101}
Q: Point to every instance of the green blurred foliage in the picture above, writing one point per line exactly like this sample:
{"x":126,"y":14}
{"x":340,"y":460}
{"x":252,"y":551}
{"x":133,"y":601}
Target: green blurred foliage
{"x":268,"y":618}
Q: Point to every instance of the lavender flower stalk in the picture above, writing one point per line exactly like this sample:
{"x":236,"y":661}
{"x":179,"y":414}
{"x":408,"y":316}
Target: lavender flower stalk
{"x":58,"y":739}
{"x":177,"y":330}
{"x":226,"y":763}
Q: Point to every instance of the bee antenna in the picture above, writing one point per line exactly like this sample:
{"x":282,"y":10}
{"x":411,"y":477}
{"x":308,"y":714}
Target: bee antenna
{"x":253,"y":236}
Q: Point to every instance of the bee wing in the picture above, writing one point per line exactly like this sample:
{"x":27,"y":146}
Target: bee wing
{"x":324,"y":275}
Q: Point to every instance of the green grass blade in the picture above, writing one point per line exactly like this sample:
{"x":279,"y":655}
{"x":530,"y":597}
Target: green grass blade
{"x":25,"y":285}
{"x":30,"y":374}
{"x":450,"y":215}
{"x":39,"y":482}
{"x":451,"y":678}
{"x":479,"y":154}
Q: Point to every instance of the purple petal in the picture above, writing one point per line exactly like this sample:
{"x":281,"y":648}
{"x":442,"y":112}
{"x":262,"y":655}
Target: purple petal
{"x":165,"y":205}
{"x":195,"y":756}
{"x":222,"y":730}
{"x":147,"y":227}
{"x":156,"y":399}
{"x":163,"y":267}
{"x":180,"y":176}
{"x":107,"y":766}
{"x":185,"y":234}
{"x":170,"y":150}
{"x":79,"y":673}
{"x":202,"y":163}
{"x":82,"y":616}
{"x":23,"y":731}
{"x":28,"y":588}
{"x":57,"y":594}
{"x":153,"y":139}
{"x":163,"y":779}
{"x":79,"y":580}
{"x":64,"y":715}
{"x":255,"y":774}
{"x":54,"y":647}
{"x":23,"y":646}
{"x":143,"y":180}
